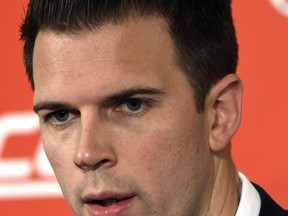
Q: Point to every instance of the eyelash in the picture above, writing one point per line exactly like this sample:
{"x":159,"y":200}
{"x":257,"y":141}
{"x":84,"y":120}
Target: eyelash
{"x":145,"y":105}
{"x":47,"y":118}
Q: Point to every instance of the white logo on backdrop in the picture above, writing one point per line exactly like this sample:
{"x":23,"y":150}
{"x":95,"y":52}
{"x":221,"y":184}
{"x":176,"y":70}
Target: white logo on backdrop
{"x":281,"y":6}
{"x":15,"y":173}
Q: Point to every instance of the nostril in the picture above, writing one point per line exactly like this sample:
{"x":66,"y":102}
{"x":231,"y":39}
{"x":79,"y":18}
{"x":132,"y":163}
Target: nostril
{"x":92,"y":156}
{"x":103,"y":163}
{"x":93,"y":166}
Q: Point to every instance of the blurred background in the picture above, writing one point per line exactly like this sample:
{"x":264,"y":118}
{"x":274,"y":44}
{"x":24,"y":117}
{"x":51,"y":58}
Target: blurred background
{"x":260,"y":149}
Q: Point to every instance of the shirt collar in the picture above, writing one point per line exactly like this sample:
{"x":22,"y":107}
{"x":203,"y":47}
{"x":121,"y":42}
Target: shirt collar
{"x":250,"y":201}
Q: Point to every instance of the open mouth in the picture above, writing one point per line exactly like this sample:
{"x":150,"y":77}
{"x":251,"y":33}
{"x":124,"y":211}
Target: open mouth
{"x":106,"y":202}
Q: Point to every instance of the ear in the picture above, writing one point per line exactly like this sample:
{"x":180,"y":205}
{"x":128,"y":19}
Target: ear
{"x":224,"y":109}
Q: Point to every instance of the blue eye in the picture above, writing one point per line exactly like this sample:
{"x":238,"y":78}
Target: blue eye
{"x":134,"y":104}
{"x":134,"y":107}
{"x":61,"y":116}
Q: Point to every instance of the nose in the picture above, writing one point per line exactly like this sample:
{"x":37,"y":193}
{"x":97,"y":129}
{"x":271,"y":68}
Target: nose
{"x":94,"y":148}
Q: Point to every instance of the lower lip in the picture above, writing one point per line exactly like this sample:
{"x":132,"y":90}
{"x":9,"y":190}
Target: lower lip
{"x":118,"y":209}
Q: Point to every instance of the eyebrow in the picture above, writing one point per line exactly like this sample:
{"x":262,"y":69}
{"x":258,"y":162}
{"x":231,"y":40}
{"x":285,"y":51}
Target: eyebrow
{"x":51,"y":106}
{"x":122,"y":95}
{"x":111,"y":99}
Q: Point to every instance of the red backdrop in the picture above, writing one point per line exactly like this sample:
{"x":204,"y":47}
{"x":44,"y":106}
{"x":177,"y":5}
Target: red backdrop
{"x":28,"y":187}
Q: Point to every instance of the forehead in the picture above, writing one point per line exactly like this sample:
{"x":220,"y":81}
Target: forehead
{"x":136,"y":52}
{"x":141,"y":36}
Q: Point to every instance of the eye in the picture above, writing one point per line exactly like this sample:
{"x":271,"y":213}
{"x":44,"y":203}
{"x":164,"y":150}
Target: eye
{"x":133,"y":106}
{"x":60,"y":117}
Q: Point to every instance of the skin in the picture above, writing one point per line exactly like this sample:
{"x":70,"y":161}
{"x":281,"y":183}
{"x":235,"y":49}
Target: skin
{"x":161,"y":150}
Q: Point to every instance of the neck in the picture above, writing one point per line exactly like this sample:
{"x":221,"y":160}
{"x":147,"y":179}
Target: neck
{"x":227,"y":188}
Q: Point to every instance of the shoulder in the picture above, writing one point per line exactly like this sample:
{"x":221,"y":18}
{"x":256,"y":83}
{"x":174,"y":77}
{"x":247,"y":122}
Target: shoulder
{"x":268,"y":206}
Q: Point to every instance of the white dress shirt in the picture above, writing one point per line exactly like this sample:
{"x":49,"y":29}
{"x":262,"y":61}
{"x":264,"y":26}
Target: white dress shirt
{"x":250,"y":201}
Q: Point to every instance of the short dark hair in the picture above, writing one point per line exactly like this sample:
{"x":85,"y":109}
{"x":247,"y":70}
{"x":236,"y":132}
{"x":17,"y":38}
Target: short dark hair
{"x":202,"y":30}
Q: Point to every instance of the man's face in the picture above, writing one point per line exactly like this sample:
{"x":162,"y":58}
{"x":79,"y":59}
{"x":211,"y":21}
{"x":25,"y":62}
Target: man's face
{"x":119,"y":123}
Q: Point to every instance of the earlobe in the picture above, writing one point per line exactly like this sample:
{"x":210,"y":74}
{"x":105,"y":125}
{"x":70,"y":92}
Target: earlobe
{"x":224,"y":109}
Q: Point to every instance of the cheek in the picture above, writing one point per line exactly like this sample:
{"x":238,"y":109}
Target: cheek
{"x":55,"y":146}
{"x":166,"y":149}
{"x":59,"y":150}
{"x":173,"y":159}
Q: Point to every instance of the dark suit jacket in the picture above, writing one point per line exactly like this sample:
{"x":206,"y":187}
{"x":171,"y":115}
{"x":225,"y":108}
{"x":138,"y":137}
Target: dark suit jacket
{"x":268,"y":205}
